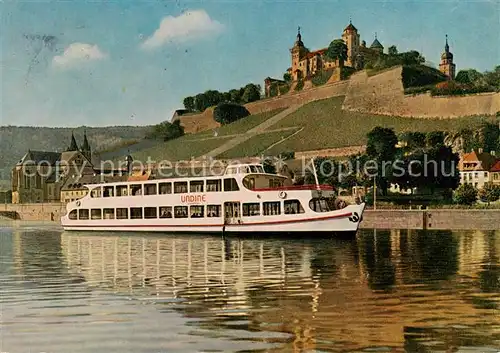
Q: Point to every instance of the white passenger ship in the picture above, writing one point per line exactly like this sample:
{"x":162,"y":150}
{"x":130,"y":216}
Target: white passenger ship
{"x":245,"y":199}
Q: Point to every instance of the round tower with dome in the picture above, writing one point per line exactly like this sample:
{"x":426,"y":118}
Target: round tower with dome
{"x":446,"y":65}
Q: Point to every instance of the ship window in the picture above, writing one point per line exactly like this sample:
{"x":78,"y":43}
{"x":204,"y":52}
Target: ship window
{"x":150,"y":212}
{"x":253,"y":169}
{"x":260,"y":169}
{"x":272,"y":208}
{"x":181,"y":211}
{"x":196,"y":186}
{"x":197,"y":211}
{"x":214,"y":185}
{"x":96,"y":192}
{"x":109,"y":213}
{"x":122,"y":213}
{"x":136,"y":190}
{"x":244,"y":170}
{"x":165,"y":188}
{"x":121,"y":190}
{"x":96,"y":213}
{"x":150,"y":189}
{"x":109,"y":191}
{"x":213,"y":210}
{"x":180,"y":187}
{"x":230,"y":184}
{"x":293,"y":207}
{"x":166,"y":212}
{"x":135,"y":212}
{"x":251,"y":209}
{"x":83,"y":214}
{"x":320,"y":205}
{"x":73,"y":215}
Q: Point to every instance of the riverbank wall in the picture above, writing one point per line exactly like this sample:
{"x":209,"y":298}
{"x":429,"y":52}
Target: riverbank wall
{"x":438,"y":219}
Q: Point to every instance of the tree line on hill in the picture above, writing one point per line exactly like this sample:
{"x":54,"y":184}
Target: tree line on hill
{"x":198,"y":103}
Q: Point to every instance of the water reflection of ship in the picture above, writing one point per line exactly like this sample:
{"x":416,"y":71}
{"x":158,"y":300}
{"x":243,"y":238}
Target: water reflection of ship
{"x":310,"y":289}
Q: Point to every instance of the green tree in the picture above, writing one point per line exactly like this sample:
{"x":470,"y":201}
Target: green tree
{"x":337,"y":50}
{"x":469,"y":76}
{"x":466,"y":194}
{"x":392,"y":50}
{"x":189,"y":103}
{"x":287,"y":77}
{"x":492,"y":78}
{"x":381,"y":147}
{"x":226,"y":113}
{"x":435,"y":138}
{"x":235,"y":96}
{"x":489,"y":193}
{"x":200,"y":102}
{"x":167,"y":131}
{"x":213,"y":98}
{"x":251,"y":93}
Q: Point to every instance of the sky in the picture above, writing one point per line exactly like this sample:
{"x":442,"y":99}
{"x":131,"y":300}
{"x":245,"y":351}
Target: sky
{"x":101,"y":63}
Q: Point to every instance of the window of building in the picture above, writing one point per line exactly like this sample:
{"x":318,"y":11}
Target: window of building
{"x":196,"y":186}
{"x":196,"y":211}
{"x":136,"y":190}
{"x":83,"y":214}
{"x":293,"y":207}
{"x":122,"y":213}
{"x":150,"y":189}
{"x":271,"y":208}
{"x":485,"y":174}
{"x":150,"y":212}
{"x":214,"y":185}
{"x":251,"y":209}
{"x":121,"y":190}
{"x":165,"y":188}
{"x":96,"y":192}
{"x":136,"y":212}
{"x":180,"y":187}
{"x":213,"y":210}
{"x":476,"y":175}
{"x":476,"y":185}
{"x":96,"y":213}
{"x":73,"y":215}
{"x":166,"y":212}
{"x":109,"y":191}
{"x":319,"y":205}
{"x":181,"y":211}
{"x":109,"y":213}
{"x":230,"y":184}
{"x":496,"y":176}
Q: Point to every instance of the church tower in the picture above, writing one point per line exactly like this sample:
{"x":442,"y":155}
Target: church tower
{"x":298,"y":52}
{"x":86,"y":151}
{"x":350,"y":37}
{"x":447,"y":66}
{"x":73,"y":146}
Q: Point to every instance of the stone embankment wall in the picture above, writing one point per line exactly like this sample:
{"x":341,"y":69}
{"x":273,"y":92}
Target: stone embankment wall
{"x":432,"y":219}
{"x":384,"y":94}
{"x":35,"y":211}
{"x":205,"y":121}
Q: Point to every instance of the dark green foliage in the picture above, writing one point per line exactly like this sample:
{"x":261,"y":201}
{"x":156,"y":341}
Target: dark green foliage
{"x":346,"y":72}
{"x":269,"y":166}
{"x":452,"y":88}
{"x":466,"y":194}
{"x":251,"y":93}
{"x":287,"y":77}
{"x":321,"y":77}
{"x":420,"y":75}
{"x":492,"y":78}
{"x":300,"y":85}
{"x":392,"y":50}
{"x":226,"y":113}
{"x":384,"y":61}
{"x":287,"y":155}
{"x":469,"y":76}
{"x":489,"y":193}
{"x":419,"y":90}
{"x":435,"y":139}
{"x":381,"y":144}
{"x":189,"y":103}
{"x":337,"y":50}
{"x":166,"y":131}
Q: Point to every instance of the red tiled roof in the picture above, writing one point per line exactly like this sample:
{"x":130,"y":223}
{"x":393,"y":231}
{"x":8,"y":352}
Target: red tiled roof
{"x":316,"y":52}
{"x":496,"y":167}
{"x":483,"y":161}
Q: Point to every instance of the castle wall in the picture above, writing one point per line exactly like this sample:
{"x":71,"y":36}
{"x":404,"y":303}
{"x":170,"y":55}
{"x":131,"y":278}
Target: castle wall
{"x":384,"y":94}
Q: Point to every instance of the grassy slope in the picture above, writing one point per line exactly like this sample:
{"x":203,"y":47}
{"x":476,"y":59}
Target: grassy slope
{"x":326,"y":125}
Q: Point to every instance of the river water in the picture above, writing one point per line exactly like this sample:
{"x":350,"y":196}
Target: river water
{"x":385,"y":291}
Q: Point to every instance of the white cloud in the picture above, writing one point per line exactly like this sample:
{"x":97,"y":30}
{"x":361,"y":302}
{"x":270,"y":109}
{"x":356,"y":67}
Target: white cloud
{"x":190,"y":25}
{"x":77,"y":53}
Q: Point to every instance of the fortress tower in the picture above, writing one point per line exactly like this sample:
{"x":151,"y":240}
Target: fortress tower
{"x":298,"y":52}
{"x":351,"y":38}
{"x":447,"y":66}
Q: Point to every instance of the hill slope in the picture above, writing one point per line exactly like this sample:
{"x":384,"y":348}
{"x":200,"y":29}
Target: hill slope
{"x":15,"y":140}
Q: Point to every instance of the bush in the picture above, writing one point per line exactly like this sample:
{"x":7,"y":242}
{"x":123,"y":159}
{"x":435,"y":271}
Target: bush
{"x":465,"y":194}
{"x":489,"y":193}
{"x":300,"y":85}
{"x":346,"y":72}
{"x":226,"y":113}
{"x":166,"y":131}
{"x":420,"y":75}
{"x":452,"y":88}
{"x":321,"y":77}
{"x":287,"y":155}
{"x":418,"y":90}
